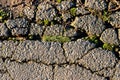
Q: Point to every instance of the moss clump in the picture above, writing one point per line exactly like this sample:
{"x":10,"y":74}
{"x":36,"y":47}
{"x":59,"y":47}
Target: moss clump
{"x":60,"y":39}
{"x":105,"y":16}
{"x":59,"y":1}
{"x":30,"y":37}
{"x":93,"y":39}
{"x":3,"y":15}
{"x":46,"y":22}
{"x":73,"y":11}
{"x":108,"y":46}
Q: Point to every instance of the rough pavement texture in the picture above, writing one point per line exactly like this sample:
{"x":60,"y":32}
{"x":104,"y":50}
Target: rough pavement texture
{"x":92,"y":51}
{"x":91,"y":24}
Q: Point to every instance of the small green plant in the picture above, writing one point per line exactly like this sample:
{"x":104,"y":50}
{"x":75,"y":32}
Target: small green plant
{"x":46,"y":22}
{"x":93,"y":39}
{"x":30,"y":37}
{"x":108,"y":46}
{"x":105,"y":16}
{"x":3,"y":15}
{"x":59,"y":1}
{"x":60,"y":39}
{"x":73,"y":11}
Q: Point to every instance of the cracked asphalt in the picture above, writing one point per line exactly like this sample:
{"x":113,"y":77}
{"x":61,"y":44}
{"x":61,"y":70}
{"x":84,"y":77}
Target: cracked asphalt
{"x":92,"y":53}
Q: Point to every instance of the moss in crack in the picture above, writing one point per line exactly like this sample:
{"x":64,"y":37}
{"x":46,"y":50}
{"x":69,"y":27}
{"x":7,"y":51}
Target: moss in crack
{"x":93,"y":39}
{"x":46,"y":22}
{"x":73,"y":11}
{"x":59,"y":1}
{"x":60,"y":39}
{"x":108,"y":46}
{"x":105,"y":16}
{"x":3,"y":15}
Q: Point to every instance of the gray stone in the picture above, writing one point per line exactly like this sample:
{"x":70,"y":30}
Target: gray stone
{"x":114,"y":5}
{"x":18,"y":26}
{"x":29,"y":11}
{"x":91,"y":24}
{"x":7,"y":48}
{"x":19,"y":31}
{"x":117,"y":72}
{"x":54,"y":30}
{"x":115,"y":19}
{"x":65,"y":5}
{"x":98,"y":59}
{"x":19,"y":22}
{"x":46,"y":52}
{"x":66,"y":16}
{"x":81,"y":10}
{"x":36,"y":29}
{"x":74,"y":73}
{"x":4,"y":32}
{"x":45,"y":12}
{"x":6,"y":3}
{"x":96,"y":4}
{"x":29,"y":71}
{"x":77,"y":49}
{"x":109,"y":36}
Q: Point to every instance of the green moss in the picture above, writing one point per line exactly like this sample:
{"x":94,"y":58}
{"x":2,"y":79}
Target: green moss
{"x":93,"y":39}
{"x":105,"y":16}
{"x":73,"y":11}
{"x":30,"y":37}
{"x":59,"y":1}
{"x":3,"y":15}
{"x":60,"y":39}
{"x":108,"y":46}
{"x":46,"y":22}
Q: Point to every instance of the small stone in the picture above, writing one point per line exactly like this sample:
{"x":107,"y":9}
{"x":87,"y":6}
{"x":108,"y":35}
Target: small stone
{"x":76,"y":49}
{"x":45,"y":12}
{"x":96,"y":4}
{"x":17,"y":11}
{"x":10,"y":2}
{"x":98,"y":59}
{"x":19,"y":31}
{"x":54,"y":30}
{"x":65,"y":5}
{"x":18,"y":26}
{"x":29,"y":12}
{"x":66,"y":16}
{"x":89,"y":23}
{"x":4,"y":32}
{"x":115,"y":19}
{"x":109,"y":36}
{"x":36,"y":29}
{"x":81,"y":10}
